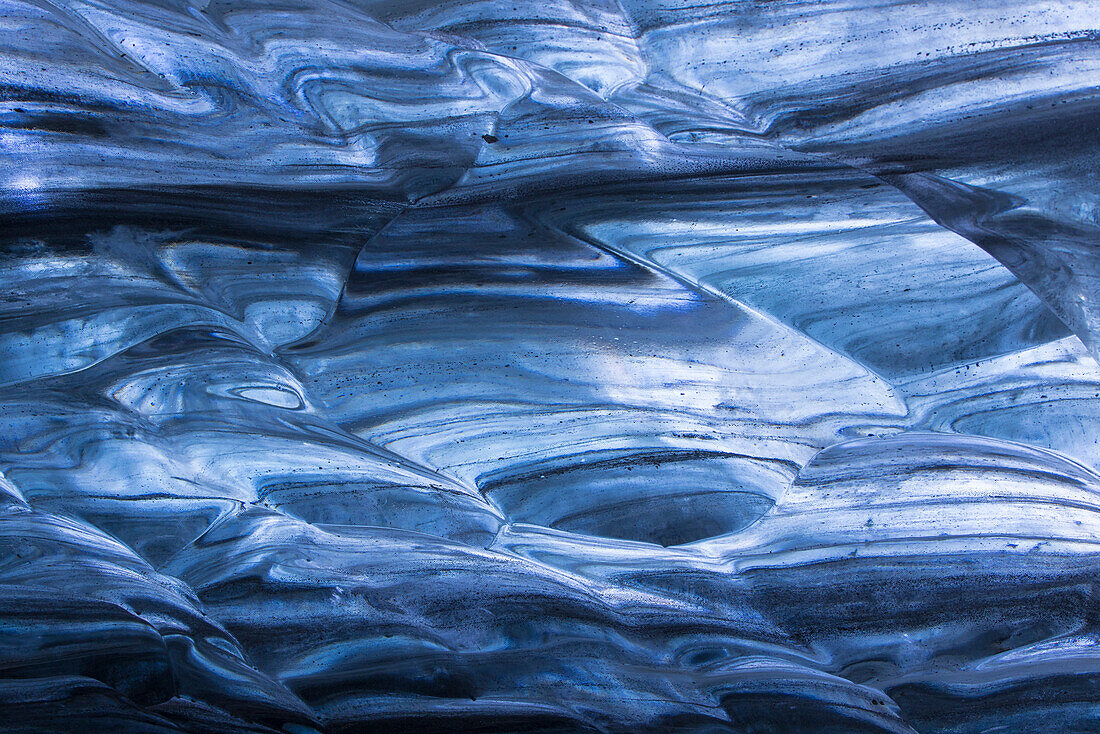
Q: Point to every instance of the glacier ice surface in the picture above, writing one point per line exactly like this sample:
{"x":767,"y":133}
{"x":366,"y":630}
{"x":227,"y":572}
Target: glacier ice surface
{"x":560,"y":366}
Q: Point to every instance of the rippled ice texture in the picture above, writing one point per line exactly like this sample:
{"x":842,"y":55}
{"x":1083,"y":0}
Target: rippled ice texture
{"x":557,"y":366}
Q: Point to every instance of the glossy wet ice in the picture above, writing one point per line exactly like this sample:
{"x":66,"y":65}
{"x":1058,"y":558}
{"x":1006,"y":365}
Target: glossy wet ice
{"x":610,"y":367}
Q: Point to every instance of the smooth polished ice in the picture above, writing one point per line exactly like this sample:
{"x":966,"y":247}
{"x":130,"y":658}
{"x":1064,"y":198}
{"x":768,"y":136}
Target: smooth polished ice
{"x":556,"y":367}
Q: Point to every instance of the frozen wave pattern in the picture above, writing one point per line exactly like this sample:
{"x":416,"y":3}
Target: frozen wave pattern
{"x":571,"y":366}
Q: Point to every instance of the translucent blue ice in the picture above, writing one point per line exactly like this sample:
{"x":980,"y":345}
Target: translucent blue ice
{"x":477,"y":366}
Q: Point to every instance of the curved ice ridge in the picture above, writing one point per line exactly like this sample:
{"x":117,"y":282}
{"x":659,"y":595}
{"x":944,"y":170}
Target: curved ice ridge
{"x":549,"y":367}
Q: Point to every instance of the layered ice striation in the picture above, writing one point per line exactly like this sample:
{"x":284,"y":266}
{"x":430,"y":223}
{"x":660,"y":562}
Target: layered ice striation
{"x":481,"y":366}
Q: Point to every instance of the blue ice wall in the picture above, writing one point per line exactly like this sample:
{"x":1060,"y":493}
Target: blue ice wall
{"x":595,"y":366}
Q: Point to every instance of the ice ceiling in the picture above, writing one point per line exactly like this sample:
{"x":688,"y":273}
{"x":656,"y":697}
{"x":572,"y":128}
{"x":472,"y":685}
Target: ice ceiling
{"x":483,"y":366}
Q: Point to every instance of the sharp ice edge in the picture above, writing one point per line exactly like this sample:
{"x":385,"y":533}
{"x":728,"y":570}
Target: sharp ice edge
{"x":592,"y":366}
